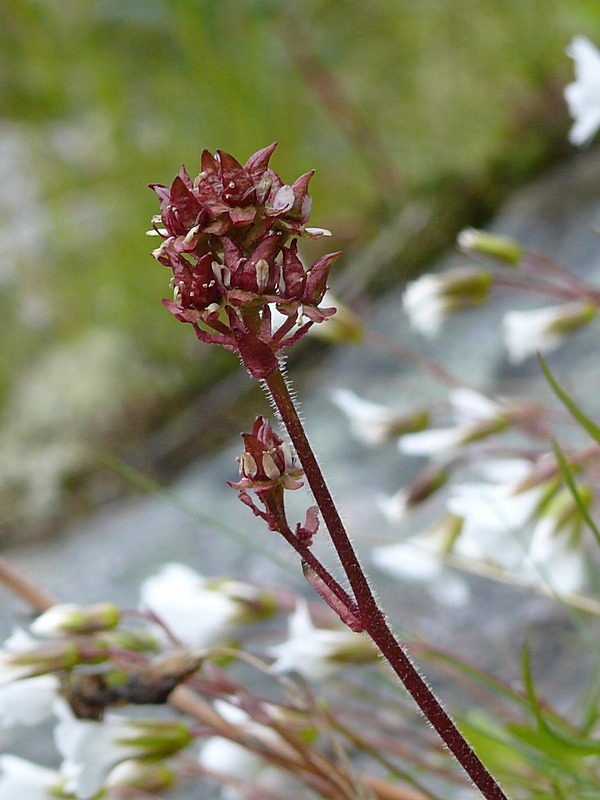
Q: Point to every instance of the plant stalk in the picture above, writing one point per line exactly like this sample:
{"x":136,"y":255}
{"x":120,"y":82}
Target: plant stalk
{"x":371,"y":615}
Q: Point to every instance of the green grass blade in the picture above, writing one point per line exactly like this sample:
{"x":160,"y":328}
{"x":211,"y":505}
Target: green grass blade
{"x":568,"y":476}
{"x":570,"y":404}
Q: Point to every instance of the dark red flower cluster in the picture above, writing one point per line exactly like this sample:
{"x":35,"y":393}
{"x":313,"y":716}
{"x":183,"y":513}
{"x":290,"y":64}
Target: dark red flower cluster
{"x":230,"y":237}
{"x":267,"y":461}
{"x":268,"y":467}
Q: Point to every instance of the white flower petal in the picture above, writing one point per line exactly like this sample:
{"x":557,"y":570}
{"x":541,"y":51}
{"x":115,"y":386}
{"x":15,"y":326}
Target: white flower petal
{"x":429,"y":442}
{"x":408,"y":560}
{"x":583,"y":96}
{"x":28,"y":701}
{"x":24,"y":780}
{"x":527,"y":332}
{"x":450,"y":590}
{"x":418,"y":559}
{"x":555,"y":563}
{"x":90,"y":749}
{"x":470,"y":406}
{"x":424,"y":305}
{"x":395,"y":507}
{"x":311,"y":651}
{"x":369,"y":422}
{"x":196,"y":615}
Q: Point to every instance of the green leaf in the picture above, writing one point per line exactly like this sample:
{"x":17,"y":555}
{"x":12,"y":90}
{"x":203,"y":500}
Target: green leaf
{"x":570,"y":404}
{"x":568,"y":476}
{"x":565,"y":745}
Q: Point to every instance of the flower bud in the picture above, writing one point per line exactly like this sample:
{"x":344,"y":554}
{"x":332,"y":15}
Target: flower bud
{"x":431,"y":298}
{"x":160,"y":738}
{"x":489,"y":244}
{"x":267,"y":461}
{"x":66,"y":618}
{"x":38,"y":660}
{"x":143,"y":776}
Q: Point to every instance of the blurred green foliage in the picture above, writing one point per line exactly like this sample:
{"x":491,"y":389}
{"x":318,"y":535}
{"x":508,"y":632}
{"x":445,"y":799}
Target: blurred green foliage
{"x":389,"y":100}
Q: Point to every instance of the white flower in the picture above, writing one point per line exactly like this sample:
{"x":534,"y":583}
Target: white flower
{"x":555,"y":552}
{"x":10,"y":668}
{"x":92,"y":749}
{"x":221,"y":756}
{"x":395,"y":507}
{"x":196,"y":614}
{"x":435,"y":440}
{"x":374,"y":424}
{"x":494,"y":516}
{"x":476,"y":415}
{"x":471,"y":406}
{"x":28,"y":701}
{"x":23,"y":780}
{"x":425,"y":305}
{"x":557,"y":563}
{"x":430,"y":298}
{"x":317,"y":653}
{"x":143,"y":776}
{"x":25,"y":657}
{"x":583,"y":96}
{"x":419,"y":560}
{"x":544,"y":329}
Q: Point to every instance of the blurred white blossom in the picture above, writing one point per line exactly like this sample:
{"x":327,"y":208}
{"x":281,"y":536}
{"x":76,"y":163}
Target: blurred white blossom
{"x":375,"y":424}
{"x":71,"y":618}
{"x":504,"y":249}
{"x":476,"y":417}
{"x":583,"y":96}
{"x":543,"y":329}
{"x":92,"y":749}
{"x":200,"y":612}
{"x":28,"y":701}
{"x":221,"y":756}
{"x":555,"y":551}
{"x":420,"y":559}
{"x":317,"y":653}
{"x":495,"y":513}
{"x":24,"y":780}
{"x":25,"y":657}
{"x":431,"y":298}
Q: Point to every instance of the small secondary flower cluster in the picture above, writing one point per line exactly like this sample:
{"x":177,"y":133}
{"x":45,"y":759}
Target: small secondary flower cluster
{"x":268,"y":467}
{"x":77,"y":662}
{"x":230,"y":236}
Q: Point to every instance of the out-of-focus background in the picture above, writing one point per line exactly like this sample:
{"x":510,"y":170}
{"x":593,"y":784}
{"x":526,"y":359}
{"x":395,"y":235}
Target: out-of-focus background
{"x":419,"y":117}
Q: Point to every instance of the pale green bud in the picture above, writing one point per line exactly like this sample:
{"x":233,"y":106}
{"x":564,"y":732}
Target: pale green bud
{"x":38,"y":660}
{"x":144,"y":776}
{"x":504,"y":249}
{"x":158,"y":738}
{"x":67,"y":618}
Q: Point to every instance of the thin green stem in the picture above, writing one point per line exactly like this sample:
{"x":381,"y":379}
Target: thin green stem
{"x":371,"y":615}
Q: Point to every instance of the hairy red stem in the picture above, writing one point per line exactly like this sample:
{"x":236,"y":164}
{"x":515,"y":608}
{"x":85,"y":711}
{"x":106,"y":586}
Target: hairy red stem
{"x":372,"y":617}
